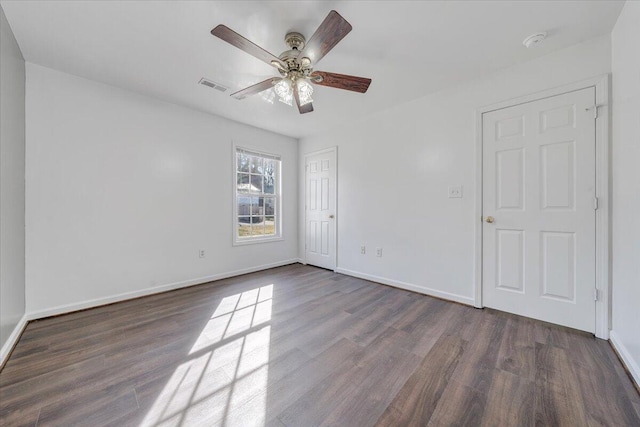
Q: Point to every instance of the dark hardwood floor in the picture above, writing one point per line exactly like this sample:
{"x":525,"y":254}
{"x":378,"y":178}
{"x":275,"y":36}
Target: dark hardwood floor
{"x":301,"y":346}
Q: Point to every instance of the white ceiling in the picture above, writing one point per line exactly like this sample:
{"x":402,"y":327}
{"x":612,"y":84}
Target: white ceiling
{"x":408,"y":48}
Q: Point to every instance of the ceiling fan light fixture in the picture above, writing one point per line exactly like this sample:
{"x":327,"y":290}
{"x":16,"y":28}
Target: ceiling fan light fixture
{"x":284,"y":90}
{"x":296,"y":65}
{"x":305,"y":90}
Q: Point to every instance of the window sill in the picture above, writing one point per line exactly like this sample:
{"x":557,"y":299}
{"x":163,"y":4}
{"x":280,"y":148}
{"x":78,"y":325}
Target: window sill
{"x":253,"y":241}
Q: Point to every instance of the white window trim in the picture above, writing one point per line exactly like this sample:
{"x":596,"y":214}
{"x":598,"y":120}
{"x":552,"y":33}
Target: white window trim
{"x":242,"y":241}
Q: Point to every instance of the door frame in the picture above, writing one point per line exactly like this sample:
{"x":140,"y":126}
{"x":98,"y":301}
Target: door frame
{"x":603,"y":261}
{"x":333,"y":149}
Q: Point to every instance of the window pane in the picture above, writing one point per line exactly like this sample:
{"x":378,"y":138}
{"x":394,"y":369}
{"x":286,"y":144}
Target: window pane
{"x":268,"y":188}
{"x":244,"y":205}
{"x":269,"y":205}
{"x":242,"y":162}
{"x":256,"y":183}
{"x":257,"y":204}
{"x":257,"y":226}
{"x":242,"y":182}
{"x":244,"y":226}
{"x":269,"y":225}
{"x":255,"y":164}
{"x":269,"y":180}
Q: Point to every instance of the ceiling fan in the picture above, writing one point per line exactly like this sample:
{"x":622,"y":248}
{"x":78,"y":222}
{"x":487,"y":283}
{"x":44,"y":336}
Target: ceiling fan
{"x":296,"y":64}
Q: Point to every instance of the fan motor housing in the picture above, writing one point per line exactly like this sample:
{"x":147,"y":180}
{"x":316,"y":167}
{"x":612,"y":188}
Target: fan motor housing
{"x":296,"y":42}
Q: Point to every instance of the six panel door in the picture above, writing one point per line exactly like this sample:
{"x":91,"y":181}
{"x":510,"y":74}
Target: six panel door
{"x":538,"y":209}
{"x":320,"y":209}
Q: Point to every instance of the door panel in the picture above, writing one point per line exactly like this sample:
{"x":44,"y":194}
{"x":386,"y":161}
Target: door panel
{"x":558,"y":257}
{"x":539,"y":186}
{"x":320,"y":209}
{"x":510,"y":179}
{"x":557,"y":169}
{"x":510,"y":259}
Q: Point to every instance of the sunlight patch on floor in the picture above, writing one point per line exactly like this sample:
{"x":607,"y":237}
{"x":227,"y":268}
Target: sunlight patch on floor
{"x":227,"y":366}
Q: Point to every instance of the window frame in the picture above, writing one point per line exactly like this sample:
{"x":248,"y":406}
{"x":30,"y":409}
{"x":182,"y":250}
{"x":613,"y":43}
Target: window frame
{"x":277,"y":194}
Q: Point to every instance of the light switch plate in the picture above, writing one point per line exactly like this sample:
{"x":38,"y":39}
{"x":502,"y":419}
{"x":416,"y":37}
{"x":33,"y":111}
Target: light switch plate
{"x":455,"y":191}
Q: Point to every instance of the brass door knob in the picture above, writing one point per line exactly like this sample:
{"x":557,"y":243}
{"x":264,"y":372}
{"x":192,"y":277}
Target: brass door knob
{"x":489,"y":219}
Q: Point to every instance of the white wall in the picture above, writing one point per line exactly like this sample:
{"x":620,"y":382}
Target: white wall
{"x":12,"y":160}
{"x":626,"y":186}
{"x":123,"y":190}
{"x":394,"y":169}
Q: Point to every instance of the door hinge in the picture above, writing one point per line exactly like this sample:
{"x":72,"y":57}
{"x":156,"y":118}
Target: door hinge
{"x":596,"y":294}
{"x":595,"y":204}
{"x":595,"y":110}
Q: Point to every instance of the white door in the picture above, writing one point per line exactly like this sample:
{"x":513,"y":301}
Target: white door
{"x":320,"y":209}
{"x":539,"y":209}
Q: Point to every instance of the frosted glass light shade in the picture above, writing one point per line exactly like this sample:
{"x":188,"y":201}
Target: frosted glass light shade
{"x":305,"y":90}
{"x":284,"y":90}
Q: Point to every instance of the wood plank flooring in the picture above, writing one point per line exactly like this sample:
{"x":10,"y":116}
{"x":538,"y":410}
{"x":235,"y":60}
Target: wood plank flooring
{"x":302,"y":346}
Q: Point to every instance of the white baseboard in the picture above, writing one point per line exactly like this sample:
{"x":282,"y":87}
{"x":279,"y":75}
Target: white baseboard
{"x":67,"y":308}
{"x":13,"y":339}
{"x":630,"y":364}
{"x":408,"y":286}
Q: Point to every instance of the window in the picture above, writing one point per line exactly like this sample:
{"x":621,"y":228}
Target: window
{"x":257,"y":197}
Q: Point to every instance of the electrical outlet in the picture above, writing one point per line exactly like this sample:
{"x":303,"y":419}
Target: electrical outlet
{"x":378,"y":252}
{"x":201,"y":253}
{"x":363,"y":250}
{"x":455,"y":191}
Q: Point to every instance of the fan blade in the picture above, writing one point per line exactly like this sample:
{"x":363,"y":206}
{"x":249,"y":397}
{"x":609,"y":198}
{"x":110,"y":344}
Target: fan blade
{"x":342,"y":81}
{"x":227,"y":34}
{"x":306,"y":108}
{"x":256,"y":88}
{"x":329,"y":33}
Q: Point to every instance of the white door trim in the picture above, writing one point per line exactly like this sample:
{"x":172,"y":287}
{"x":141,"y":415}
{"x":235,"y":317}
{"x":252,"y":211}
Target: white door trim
{"x":335,"y":196}
{"x":603,"y":282}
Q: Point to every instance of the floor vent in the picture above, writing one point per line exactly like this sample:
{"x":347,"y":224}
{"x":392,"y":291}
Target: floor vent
{"x":213,"y":85}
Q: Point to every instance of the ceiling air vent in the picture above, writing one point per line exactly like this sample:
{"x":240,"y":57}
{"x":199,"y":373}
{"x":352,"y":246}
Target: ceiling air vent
{"x":213,"y":85}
